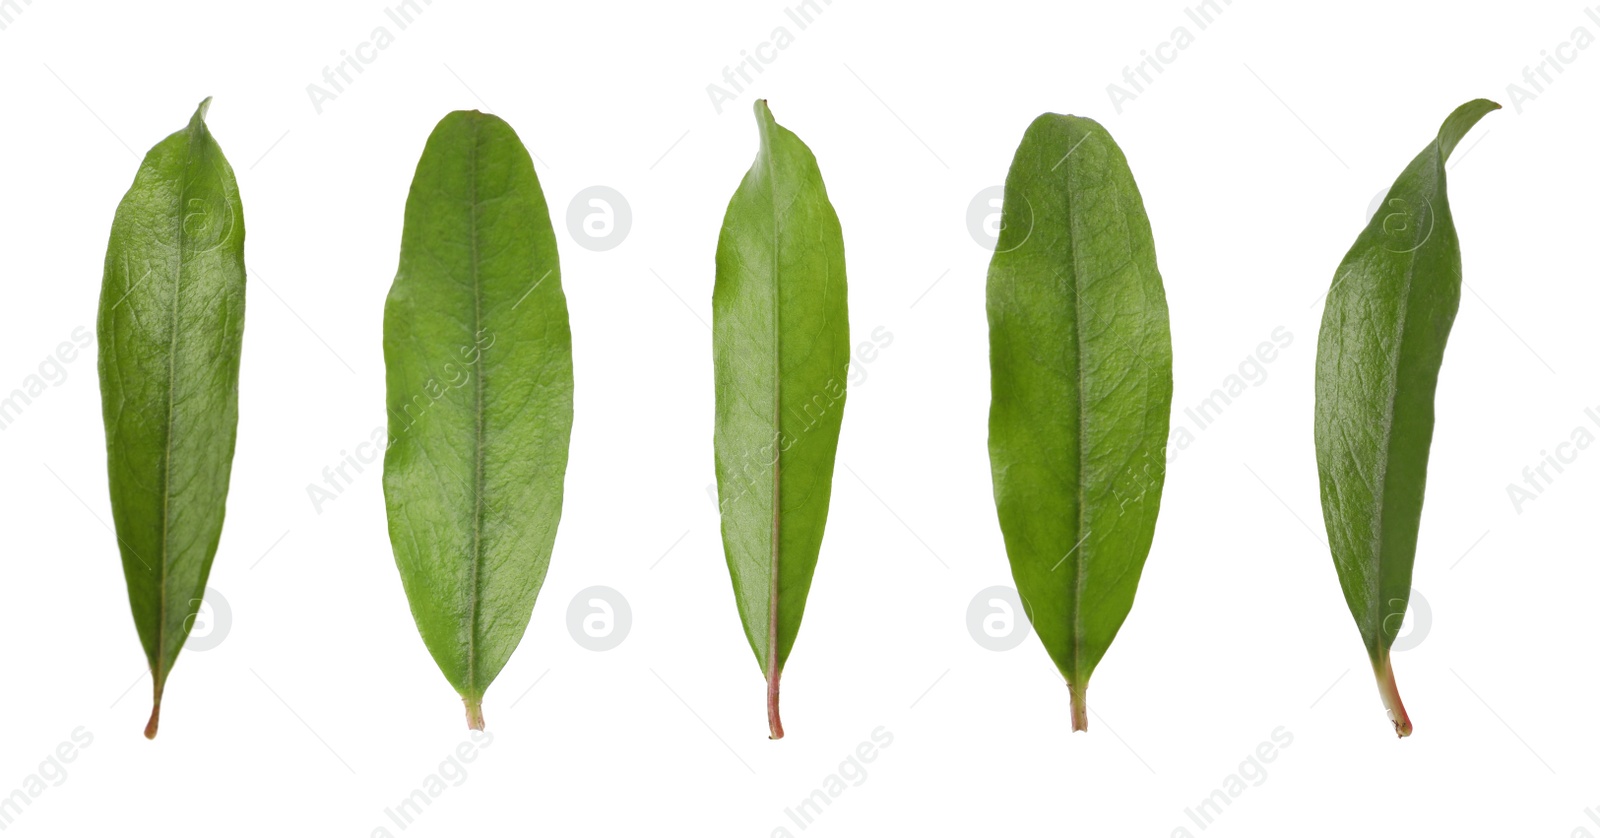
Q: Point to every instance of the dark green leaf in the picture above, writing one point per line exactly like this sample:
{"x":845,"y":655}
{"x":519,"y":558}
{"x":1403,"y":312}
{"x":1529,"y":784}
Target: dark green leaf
{"x":781,"y":345}
{"x":170,"y":325}
{"x":1388,"y":315}
{"x":479,"y":358}
{"x":1080,"y":357}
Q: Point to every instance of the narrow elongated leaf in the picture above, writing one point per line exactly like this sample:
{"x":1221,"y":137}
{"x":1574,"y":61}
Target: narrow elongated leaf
{"x":479,"y":358}
{"x":1080,"y":358}
{"x":780,"y":346}
{"x":170,"y":326}
{"x":1388,"y":315}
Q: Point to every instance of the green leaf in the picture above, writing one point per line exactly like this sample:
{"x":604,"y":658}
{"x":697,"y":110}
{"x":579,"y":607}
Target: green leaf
{"x":1080,"y":358}
{"x":478,"y":352}
{"x":1388,"y":315}
{"x":170,"y":325}
{"x":781,"y":346}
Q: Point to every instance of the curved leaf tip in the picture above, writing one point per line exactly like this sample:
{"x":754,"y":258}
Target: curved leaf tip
{"x":1460,"y":121}
{"x":1385,"y":325}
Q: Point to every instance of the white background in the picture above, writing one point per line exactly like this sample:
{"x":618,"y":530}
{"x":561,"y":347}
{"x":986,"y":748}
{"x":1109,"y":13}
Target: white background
{"x":1258,"y":150}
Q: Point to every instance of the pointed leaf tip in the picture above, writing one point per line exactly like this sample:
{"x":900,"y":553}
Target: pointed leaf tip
{"x":149,"y":329}
{"x":780,"y":239}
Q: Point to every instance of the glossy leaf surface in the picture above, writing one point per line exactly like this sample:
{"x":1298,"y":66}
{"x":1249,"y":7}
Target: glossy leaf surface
{"x":1387,"y":317}
{"x":781,"y":347}
{"x":478,"y":353}
{"x":1080,"y":358}
{"x":170,"y":326}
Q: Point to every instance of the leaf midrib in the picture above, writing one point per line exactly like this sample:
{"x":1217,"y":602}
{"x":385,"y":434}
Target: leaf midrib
{"x":475,"y":592}
{"x":1079,"y":566}
{"x":159,"y":674}
{"x":777,"y":406}
{"x":1375,"y":601}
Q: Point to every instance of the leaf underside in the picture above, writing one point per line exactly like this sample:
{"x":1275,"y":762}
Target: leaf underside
{"x":1080,"y":355}
{"x":170,"y":326}
{"x":780,"y":349}
{"x":1384,"y":328}
{"x":478,"y":353}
